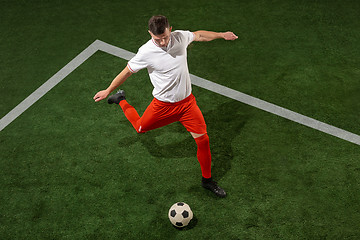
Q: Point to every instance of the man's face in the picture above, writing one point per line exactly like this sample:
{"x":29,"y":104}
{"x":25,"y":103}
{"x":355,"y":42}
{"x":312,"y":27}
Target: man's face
{"x":163,"y":39}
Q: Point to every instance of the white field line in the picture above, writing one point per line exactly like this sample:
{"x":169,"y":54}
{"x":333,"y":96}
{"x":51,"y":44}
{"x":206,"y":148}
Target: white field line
{"x":47,"y":86}
{"x":197,"y":81}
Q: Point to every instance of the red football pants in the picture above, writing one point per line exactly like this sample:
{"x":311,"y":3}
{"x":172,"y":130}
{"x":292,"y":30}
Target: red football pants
{"x":160,"y":113}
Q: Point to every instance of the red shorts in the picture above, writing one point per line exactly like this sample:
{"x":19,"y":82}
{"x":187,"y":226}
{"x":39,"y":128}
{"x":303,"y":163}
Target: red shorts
{"x":160,"y":113}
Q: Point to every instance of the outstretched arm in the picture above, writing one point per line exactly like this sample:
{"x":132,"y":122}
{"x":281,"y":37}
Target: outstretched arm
{"x":205,"y":36}
{"x":118,"y":80}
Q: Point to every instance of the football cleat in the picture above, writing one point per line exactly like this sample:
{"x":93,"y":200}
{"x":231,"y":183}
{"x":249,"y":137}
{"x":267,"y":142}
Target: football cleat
{"x":117,"y":97}
{"x":212,"y":186}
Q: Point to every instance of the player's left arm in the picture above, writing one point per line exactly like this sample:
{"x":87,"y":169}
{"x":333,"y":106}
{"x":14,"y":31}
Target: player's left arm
{"x":205,"y":36}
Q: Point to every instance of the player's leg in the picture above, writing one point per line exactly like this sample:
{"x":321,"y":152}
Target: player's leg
{"x":155,"y":115}
{"x":131,"y":114}
{"x":194,"y":122}
{"x":129,"y":111}
{"x":204,"y":158}
{"x":204,"y":154}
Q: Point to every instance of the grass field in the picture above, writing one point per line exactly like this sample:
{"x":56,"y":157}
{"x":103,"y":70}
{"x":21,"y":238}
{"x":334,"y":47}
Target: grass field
{"x":74,"y":169}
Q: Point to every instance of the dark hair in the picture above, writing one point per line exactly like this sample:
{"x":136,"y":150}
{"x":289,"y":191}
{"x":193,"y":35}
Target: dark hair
{"x":158,"y":24}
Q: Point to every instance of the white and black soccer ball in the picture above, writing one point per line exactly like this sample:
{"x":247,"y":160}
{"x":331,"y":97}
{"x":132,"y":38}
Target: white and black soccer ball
{"x":180,"y":214}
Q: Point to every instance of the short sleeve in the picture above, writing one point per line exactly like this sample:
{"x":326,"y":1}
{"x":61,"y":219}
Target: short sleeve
{"x":188,"y":36}
{"x":137,"y":62}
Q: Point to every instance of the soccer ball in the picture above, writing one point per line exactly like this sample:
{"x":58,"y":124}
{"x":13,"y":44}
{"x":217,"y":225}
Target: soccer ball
{"x":180,"y":214}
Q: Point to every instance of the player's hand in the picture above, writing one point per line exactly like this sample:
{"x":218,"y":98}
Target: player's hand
{"x":101,"y":95}
{"x":230,"y":36}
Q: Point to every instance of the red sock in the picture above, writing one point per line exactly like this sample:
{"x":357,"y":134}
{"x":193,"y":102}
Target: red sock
{"x":204,"y":155}
{"x":130,"y":113}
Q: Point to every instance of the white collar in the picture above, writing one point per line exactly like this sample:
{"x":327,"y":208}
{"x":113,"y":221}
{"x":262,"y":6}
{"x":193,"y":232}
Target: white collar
{"x":163,"y":48}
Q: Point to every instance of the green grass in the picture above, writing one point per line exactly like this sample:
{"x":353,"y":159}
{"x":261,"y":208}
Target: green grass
{"x":75,"y":169}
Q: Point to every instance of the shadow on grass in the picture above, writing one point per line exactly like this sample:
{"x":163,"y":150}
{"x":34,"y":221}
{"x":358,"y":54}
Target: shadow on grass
{"x":224,"y":124}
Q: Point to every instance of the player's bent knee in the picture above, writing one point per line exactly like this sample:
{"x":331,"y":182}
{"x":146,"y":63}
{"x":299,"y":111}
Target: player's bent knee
{"x":140,"y":130}
{"x":197,"y":135}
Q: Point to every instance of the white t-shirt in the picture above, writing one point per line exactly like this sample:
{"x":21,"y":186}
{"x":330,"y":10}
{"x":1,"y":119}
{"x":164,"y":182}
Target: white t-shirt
{"x":167,"y":67}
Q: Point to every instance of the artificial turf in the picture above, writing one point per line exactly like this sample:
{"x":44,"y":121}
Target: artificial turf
{"x":75,"y":169}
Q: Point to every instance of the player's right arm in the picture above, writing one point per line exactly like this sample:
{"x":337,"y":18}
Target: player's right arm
{"x":118,"y":80}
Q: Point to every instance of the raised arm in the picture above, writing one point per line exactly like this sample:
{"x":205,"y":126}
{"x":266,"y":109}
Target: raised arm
{"x":118,"y":80}
{"x":205,"y":36}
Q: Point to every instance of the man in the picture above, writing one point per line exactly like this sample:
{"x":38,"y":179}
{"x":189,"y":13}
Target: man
{"x":165,"y":58}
